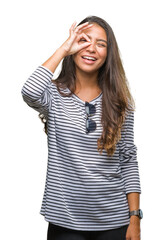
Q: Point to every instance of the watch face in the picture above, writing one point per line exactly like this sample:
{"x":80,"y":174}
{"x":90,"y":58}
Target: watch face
{"x":140,"y":214}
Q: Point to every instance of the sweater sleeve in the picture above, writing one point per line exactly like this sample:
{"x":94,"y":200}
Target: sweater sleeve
{"x":36,"y":91}
{"x":128,"y":156}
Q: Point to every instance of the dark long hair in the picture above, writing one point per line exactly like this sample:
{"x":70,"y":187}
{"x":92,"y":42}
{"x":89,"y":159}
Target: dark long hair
{"x":116,"y":98}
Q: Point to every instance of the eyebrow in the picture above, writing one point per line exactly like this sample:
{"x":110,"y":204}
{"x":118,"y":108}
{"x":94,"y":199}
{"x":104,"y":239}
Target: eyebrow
{"x":98,"y":40}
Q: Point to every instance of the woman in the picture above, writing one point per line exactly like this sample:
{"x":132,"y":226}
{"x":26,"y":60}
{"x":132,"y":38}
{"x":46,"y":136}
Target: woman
{"x":92,"y":176}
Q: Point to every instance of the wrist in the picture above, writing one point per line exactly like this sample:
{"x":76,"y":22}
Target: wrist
{"x":138,"y":213}
{"x":64,"y":49}
{"x":61,"y":52}
{"x":134,"y":220}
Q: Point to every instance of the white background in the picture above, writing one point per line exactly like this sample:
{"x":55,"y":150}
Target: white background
{"x":30,"y":33}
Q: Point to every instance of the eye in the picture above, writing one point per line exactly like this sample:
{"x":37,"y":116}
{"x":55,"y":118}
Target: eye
{"x":101,"y":45}
{"x":82,"y":40}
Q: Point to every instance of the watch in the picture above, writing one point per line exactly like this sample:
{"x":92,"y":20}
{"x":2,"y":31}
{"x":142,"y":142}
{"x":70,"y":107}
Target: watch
{"x":138,"y":213}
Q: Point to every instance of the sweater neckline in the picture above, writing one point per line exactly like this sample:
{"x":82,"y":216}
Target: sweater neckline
{"x":82,"y":101}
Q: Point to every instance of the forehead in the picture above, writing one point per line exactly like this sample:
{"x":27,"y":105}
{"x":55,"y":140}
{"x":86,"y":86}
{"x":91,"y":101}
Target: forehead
{"x":96,"y":31}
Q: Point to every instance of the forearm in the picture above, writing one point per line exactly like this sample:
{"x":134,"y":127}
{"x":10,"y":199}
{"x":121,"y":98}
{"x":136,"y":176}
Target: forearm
{"x":133,"y":201}
{"x":55,"y":59}
{"x":134,"y":204}
{"x":133,"y":231}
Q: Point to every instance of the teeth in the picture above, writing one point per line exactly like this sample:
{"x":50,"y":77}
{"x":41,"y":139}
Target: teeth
{"x":89,"y":58}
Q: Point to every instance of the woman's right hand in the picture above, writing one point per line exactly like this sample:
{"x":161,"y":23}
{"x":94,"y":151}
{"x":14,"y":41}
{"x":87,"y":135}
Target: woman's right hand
{"x":72,"y":45}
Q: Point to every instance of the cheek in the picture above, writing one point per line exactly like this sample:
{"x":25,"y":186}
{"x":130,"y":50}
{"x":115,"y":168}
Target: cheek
{"x":77,"y":56}
{"x":103,"y":53}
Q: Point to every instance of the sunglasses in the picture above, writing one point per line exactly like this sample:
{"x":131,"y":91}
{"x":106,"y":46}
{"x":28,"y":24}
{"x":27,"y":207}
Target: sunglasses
{"x":90,"y":110}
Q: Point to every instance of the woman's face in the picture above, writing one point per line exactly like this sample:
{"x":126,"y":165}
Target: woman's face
{"x":91,"y":58}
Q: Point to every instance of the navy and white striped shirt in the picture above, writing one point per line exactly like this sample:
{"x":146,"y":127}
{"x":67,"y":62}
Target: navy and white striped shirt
{"x":84,"y":190}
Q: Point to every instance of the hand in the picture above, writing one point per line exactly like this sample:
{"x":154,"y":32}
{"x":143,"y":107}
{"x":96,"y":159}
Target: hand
{"x":71,"y":45}
{"x":133,"y":231}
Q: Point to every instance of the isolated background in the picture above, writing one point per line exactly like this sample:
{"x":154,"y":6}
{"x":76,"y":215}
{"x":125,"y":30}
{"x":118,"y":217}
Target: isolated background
{"x":30,"y":33}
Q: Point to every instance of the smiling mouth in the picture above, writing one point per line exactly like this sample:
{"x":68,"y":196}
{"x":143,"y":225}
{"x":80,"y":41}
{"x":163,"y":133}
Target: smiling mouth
{"x":89,"y":58}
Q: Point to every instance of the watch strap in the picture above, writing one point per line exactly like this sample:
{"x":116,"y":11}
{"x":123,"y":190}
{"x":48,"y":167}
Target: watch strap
{"x":136,"y":213}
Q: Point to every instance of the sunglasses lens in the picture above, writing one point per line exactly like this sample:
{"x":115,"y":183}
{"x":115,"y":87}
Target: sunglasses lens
{"x":90,"y":125}
{"x":90,"y":108}
{"x":87,"y":109}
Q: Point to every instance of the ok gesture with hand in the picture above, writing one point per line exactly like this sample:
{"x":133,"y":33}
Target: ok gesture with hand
{"x":71,"y":45}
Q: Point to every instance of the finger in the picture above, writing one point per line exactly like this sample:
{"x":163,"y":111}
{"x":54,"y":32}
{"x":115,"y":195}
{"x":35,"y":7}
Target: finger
{"x":84,"y":45}
{"x":83,"y":35}
{"x":89,"y":26}
{"x":72,"y":27}
{"x":81,"y":26}
{"x":84,"y":28}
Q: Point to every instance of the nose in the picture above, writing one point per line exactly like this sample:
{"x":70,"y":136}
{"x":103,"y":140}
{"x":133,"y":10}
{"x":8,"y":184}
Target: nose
{"x":91,"y":48}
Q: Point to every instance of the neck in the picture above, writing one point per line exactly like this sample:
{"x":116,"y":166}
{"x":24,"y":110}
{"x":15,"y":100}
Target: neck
{"x":86,"y":81}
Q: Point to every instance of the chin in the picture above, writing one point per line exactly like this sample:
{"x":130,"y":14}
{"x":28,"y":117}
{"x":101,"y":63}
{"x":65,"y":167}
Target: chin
{"x":87,"y":69}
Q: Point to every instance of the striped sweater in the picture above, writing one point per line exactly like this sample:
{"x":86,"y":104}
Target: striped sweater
{"x":84,"y":190}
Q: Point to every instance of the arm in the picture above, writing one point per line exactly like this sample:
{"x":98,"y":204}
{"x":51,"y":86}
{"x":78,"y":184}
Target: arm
{"x":36,"y":91}
{"x":133,"y":231}
{"x":130,"y":174}
{"x":134,"y":202}
{"x":55,"y":59}
{"x":128,"y":156}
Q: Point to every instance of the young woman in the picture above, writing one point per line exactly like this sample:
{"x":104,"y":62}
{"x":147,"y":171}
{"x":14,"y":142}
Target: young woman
{"x":92,"y":186}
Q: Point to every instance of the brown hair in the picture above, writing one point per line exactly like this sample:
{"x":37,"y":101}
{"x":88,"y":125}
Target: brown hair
{"x":116,"y":98}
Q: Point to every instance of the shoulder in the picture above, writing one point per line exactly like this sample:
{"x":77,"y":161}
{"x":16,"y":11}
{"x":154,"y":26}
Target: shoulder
{"x":59,"y":89}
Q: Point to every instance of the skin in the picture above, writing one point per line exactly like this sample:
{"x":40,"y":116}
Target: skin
{"x":133,"y":231}
{"x":84,"y":40}
{"x":87,"y":70}
{"x":97,"y":49}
